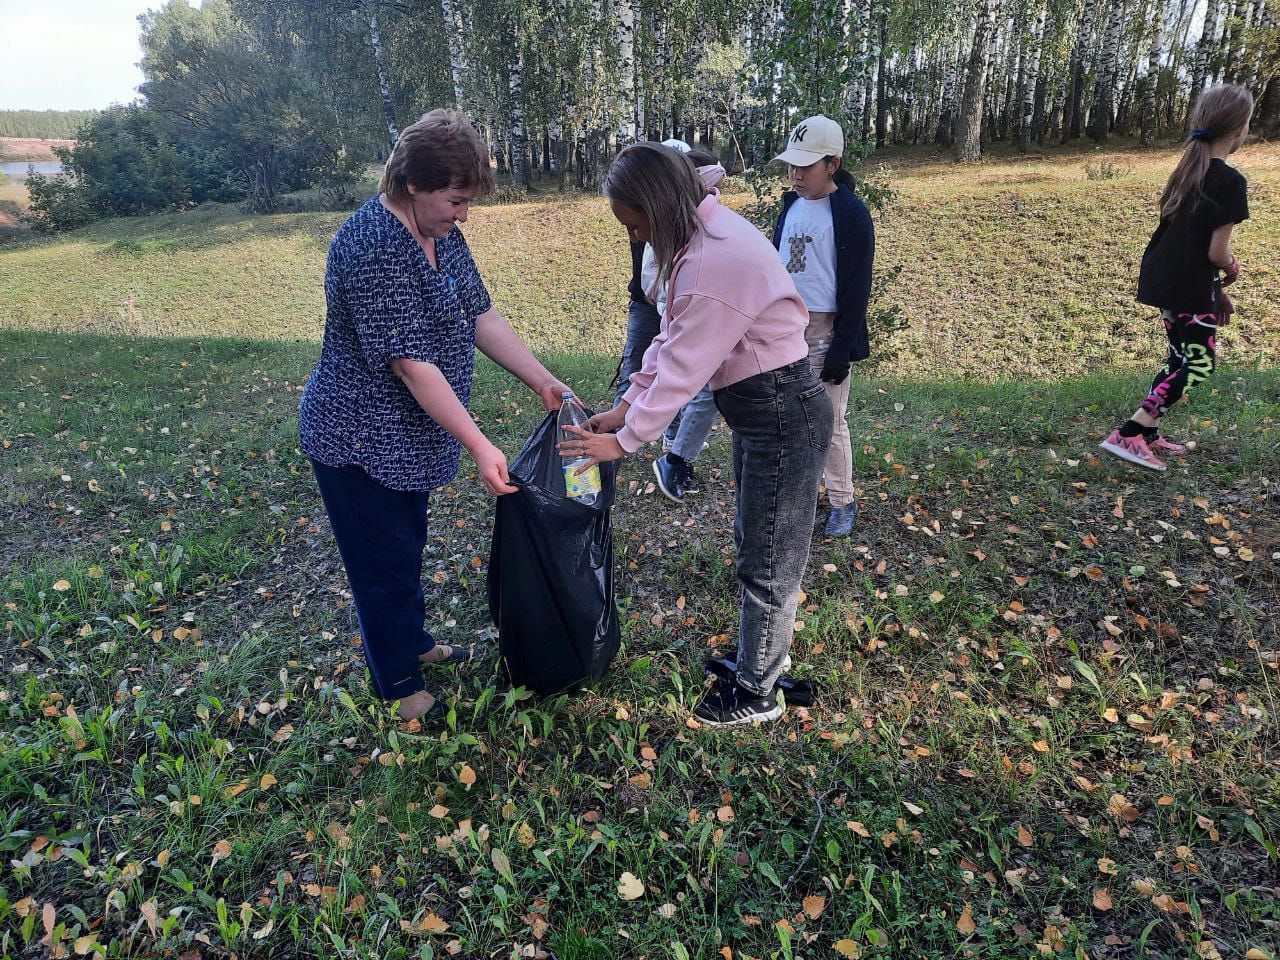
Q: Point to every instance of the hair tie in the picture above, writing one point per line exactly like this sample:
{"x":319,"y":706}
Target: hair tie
{"x":1203,"y":134}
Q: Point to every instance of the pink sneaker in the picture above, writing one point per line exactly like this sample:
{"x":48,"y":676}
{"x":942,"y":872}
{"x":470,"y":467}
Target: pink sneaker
{"x":1133,"y":449}
{"x":1168,"y":447}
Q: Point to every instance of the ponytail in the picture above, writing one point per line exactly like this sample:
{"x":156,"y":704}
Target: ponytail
{"x":842,"y":177}
{"x":1221,"y":112}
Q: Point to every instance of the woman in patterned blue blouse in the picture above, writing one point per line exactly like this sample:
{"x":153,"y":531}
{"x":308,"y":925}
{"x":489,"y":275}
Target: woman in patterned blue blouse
{"x":384,"y":414}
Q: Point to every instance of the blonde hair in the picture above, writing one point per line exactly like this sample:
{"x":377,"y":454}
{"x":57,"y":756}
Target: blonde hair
{"x":663,"y":185}
{"x":1221,"y":111}
{"x":442,"y":149}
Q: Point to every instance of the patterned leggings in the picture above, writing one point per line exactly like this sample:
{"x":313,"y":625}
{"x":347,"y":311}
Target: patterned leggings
{"x":1191,"y":359}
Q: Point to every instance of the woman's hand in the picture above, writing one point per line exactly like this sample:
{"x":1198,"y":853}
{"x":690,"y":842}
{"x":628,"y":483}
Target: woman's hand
{"x":599,"y":447}
{"x":611,"y":421}
{"x":492,"y":464}
{"x":552,"y":393}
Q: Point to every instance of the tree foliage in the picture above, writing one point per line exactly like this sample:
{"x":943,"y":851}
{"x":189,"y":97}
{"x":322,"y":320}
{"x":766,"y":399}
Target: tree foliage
{"x":44,"y":124}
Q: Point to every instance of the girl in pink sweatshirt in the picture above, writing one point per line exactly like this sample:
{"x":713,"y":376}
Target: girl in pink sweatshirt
{"x":733,"y":320}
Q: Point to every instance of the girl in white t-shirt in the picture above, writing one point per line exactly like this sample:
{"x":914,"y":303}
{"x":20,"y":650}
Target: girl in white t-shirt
{"x":826,"y":241}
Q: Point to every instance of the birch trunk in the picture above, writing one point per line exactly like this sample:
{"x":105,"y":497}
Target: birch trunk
{"x":384,"y":86}
{"x":457,"y":59}
{"x":1233,"y":48}
{"x":1071,"y":121}
{"x":882,"y":115}
{"x":968,"y":146}
{"x":855,"y":42}
{"x":1031,"y":80}
{"x":1104,"y":87}
{"x":1151,"y":82}
{"x":519,"y":137}
{"x":1204,"y":49}
{"x":627,"y":68}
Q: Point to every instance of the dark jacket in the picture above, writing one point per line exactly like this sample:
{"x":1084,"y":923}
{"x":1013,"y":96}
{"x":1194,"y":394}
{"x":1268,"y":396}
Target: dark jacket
{"x":855,"y":249}
{"x":635,"y":287}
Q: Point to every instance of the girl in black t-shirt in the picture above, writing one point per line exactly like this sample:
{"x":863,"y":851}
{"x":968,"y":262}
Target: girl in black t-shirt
{"x":1203,"y":200}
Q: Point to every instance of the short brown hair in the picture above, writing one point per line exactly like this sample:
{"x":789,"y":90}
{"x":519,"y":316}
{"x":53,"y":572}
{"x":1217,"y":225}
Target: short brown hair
{"x":440,"y":150}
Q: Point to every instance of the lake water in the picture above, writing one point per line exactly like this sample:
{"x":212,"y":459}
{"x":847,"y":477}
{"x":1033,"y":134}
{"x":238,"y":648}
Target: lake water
{"x":18,"y":168}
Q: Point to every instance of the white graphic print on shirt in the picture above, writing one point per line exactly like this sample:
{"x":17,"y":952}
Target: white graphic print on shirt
{"x":808,"y":251}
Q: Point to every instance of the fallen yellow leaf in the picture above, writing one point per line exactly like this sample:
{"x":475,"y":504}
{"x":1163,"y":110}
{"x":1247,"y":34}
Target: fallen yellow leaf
{"x":964,"y":923}
{"x":630,"y":887}
{"x":221,"y":850}
{"x":814,"y":905}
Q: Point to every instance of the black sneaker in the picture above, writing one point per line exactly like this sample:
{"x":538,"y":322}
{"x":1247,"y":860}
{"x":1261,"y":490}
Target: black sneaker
{"x":671,"y":478}
{"x":692,"y":482}
{"x":727,"y":704}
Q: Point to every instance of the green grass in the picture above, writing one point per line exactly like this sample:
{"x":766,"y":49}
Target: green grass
{"x":1048,"y":701}
{"x":1019,"y":266}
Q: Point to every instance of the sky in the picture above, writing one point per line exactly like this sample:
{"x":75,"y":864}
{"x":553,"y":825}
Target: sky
{"x":69,"y":54}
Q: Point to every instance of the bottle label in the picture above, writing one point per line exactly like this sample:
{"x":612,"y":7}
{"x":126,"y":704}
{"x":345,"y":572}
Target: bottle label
{"x":581,"y":484}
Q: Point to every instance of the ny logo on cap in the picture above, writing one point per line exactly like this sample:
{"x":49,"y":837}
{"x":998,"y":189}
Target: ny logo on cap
{"x":798,"y":136}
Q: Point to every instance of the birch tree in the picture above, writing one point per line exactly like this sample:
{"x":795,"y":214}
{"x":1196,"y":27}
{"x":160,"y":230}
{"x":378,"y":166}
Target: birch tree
{"x":968,"y":143}
{"x":1104,"y":87}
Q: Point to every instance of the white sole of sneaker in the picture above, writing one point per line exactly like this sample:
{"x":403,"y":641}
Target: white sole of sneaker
{"x":773,"y":714}
{"x":1123,"y":454}
{"x":661,"y":486}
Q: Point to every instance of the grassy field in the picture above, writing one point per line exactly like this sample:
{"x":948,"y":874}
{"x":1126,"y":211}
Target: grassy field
{"x":1019,"y":265}
{"x":1048,"y":714}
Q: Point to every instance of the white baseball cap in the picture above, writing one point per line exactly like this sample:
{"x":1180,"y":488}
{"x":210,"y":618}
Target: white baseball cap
{"x":679,"y":146}
{"x":812,"y":140}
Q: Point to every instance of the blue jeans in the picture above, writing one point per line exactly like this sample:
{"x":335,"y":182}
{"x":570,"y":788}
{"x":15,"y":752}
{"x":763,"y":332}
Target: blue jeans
{"x":691,"y":427}
{"x":781,"y":423}
{"x":381,"y":534}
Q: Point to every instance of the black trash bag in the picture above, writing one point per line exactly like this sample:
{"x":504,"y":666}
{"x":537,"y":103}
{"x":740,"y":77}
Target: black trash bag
{"x":551,"y":573}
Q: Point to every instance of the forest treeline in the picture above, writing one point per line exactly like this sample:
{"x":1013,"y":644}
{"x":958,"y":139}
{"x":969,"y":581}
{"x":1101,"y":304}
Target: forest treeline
{"x":250,"y":98}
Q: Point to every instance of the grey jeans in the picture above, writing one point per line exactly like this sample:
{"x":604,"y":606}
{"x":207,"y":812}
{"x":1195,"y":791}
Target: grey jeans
{"x":691,"y":427}
{"x":781,"y":423}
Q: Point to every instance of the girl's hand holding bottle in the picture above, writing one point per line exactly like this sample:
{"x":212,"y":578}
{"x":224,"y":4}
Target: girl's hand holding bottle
{"x":611,"y":421}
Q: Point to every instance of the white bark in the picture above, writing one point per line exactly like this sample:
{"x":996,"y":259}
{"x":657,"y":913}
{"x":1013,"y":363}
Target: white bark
{"x":969,"y":122}
{"x":457,"y":57}
{"x":1204,"y":48}
{"x":1026,"y":114}
{"x":1150,"y":82}
{"x":1104,"y":87}
{"x":384,"y":86}
{"x":627,"y":70}
{"x":519,"y":137}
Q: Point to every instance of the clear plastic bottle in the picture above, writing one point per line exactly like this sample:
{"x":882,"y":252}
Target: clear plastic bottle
{"x":583,"y":487}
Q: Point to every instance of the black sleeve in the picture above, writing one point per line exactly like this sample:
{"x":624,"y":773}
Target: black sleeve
{"x":1232,"y":201}
{"x":634,"y":287}
{"x":849,"y":339}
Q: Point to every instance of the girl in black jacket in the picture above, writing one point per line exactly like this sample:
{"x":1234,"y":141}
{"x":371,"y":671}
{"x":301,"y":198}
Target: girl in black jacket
{"x":826,"y":241}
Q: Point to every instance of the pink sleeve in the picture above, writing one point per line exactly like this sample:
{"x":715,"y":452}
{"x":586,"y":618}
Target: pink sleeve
{"x":700,"y":334}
